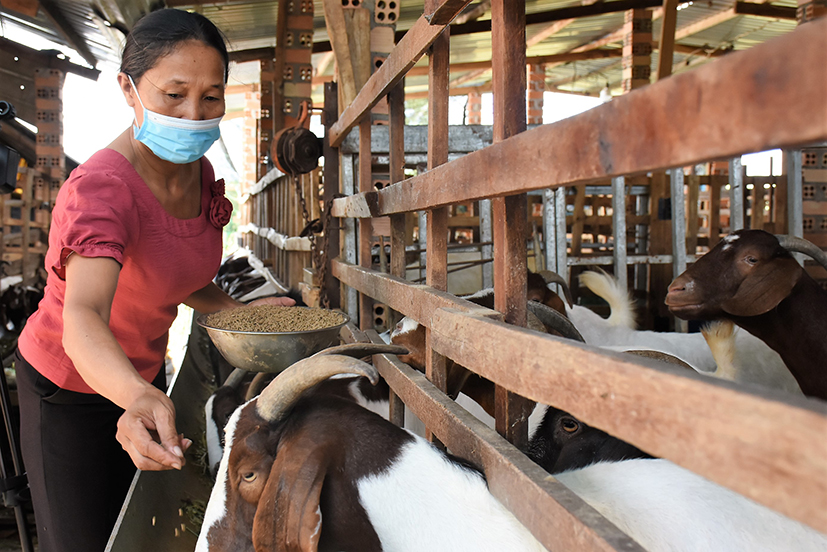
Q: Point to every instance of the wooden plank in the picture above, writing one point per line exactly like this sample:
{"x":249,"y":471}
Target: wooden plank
{"x":765,"y":10}
{"x":365,"y":224}
{"x":703,"y":106}
{"x":555,"y":515}
{"x":694,"y":184}
{"x":714,"y":210}
{"x":445,"y":11}
{"x":439,"y":61}
{"x":667,"y":38}
{"x":416,"y":41}
{"x":509,"y":214}
{"x":413,"y":300}
{"x":337,"y":31}
{"x":332,"y":187}
{"x":768,"y":446}
{"x":396,"y":123}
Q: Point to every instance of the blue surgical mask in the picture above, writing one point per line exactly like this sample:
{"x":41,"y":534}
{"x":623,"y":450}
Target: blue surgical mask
{"x":172,"y":139}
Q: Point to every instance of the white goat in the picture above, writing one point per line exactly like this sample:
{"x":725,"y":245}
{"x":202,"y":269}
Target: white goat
{"x":666,"y":508}
{"x":754,"y":361}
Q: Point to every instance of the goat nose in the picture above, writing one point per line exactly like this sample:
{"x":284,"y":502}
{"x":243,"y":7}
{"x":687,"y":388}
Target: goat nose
{"x":681,"y":283}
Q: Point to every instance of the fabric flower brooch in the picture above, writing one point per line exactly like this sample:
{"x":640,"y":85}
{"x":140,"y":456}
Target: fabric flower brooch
{"x":220,"y":207}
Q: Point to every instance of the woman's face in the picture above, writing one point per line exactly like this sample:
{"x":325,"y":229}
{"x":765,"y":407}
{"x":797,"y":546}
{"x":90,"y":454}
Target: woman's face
{"x":188,"y":83}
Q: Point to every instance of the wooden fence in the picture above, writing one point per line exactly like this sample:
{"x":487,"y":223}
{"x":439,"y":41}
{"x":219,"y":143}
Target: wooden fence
{"x":767,"y":446}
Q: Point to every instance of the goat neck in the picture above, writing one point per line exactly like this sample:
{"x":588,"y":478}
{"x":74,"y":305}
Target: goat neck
{"x":797,"y":330}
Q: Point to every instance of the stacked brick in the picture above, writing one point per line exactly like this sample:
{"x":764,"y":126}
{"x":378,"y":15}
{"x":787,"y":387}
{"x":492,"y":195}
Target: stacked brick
{"x":637,"y":49}
{"x":473,"y":109}
{"x":536,"y":87}
{"x":807,"y":11}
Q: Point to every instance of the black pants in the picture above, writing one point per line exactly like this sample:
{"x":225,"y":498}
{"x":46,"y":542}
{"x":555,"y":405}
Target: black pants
{"x":78,"y":473}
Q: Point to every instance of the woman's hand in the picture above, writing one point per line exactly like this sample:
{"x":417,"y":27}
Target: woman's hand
{"x":277,"y":301}
{"x":150,"y":415}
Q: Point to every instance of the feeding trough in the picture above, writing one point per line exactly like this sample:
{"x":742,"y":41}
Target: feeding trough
{"x":270,"y":351}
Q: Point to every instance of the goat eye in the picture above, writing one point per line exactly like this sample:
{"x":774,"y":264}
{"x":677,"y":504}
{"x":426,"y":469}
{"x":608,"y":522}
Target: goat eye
{"x":249,"y":477}
{"x":751,"y":260}
{"x":569,"y":425}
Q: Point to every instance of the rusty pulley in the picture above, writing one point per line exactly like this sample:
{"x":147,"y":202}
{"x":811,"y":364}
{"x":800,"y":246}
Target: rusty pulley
{"x":296,"y":150}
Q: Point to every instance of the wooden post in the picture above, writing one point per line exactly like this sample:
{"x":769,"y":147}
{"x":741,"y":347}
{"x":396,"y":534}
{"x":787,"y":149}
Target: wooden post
{"x":267,"y":109}
{"x":365,"y":224}
{"x":666,"y":46}
{"x":396,"y":120}
{"x":331,"y":188}
{"x":437,"y":231}
{"x":694,"y":183}
{"x":714,"y":210}
{"x":509,"y":214}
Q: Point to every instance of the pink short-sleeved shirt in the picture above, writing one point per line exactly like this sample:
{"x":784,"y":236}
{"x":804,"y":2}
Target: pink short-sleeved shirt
{"x":106,"y":210}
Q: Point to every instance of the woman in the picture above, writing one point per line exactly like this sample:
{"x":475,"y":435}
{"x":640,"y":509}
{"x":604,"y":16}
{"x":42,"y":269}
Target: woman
{"x":136,"y":230}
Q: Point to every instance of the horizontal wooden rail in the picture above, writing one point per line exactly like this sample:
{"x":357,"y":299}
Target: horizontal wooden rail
{"x":285,"y":243}
{"x":747,"y":101}
{"x":770,"y":447}
{"x":406,"y":53}
{"x":416,"y":301}
{"x":555,"y":515}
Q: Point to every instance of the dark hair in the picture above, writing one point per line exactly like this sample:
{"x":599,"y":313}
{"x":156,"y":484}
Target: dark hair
{"x":158,"y":33}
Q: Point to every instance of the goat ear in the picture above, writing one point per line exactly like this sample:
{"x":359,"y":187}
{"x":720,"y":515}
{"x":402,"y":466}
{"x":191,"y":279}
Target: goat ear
{"x":764,"y":288}
{"x":288,"y":517}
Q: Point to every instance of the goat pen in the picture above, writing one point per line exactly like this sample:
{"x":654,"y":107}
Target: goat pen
{"x":768,"y":446}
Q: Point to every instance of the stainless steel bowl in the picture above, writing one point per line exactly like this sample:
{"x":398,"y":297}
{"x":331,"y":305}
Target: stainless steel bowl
{"x":270,"y":351}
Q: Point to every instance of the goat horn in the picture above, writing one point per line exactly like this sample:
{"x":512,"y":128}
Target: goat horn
{"x":359,"y":350}
{"x":554,"y":278}
{"x":260,"y":380}
{"x":282,"y":392}
{"x":553,"y":319}
{"x":800,"y":245}
{"x":235,"y":379}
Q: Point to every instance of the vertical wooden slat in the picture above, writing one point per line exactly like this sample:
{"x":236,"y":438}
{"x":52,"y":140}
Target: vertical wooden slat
{"x":779,"y":201}
{"x":509,"y":214}
{"x":694,"y":184}
{"x":331,"y":188}
{"x":437,"y":219}
{"x":714,"y":210}
{"x":666,"y":47}
{"x":577,"y":220}
{"x":396,"y":120}
{"x":619,"y":230}
{"x":365,"y":224}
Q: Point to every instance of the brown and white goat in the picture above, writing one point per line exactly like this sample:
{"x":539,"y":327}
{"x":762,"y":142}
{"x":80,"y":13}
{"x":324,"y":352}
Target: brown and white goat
{"x":752,"y":279}
{"x":303,"y":470}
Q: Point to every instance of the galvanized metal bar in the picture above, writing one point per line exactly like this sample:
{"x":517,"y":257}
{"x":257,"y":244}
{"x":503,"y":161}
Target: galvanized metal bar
{"x":736,"y":194}
{"x":486,"y":236}
{"x":349,"y":249}
{"x":608,"y":260}
{"x":795,"y":209}
{"x":678,"y":233}
{"x":619,"y":229}
{"x":562,"y":242}
{"x":795,"y":198}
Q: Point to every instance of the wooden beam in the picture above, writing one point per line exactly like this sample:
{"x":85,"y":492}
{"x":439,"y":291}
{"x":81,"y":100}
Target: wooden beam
{"x":403,"y":57}
{"x":473,"y":14}
{"x":45,"y":58}
{"x":64,"y":27}
{"x":728,"y":433}
{"x":727,"y":93}
{"x":667,"y":39}
{"x":509,"y":214}
{"x":416,"y":301}
{"x":255,"y":54}
{"x":765,"y":10}
{"x":337,"y":31}
{"x":445,"y":11}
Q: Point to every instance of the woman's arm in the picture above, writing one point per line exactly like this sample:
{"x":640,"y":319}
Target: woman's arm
{"x":103,"y":365}
{"x":211,"y":299}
